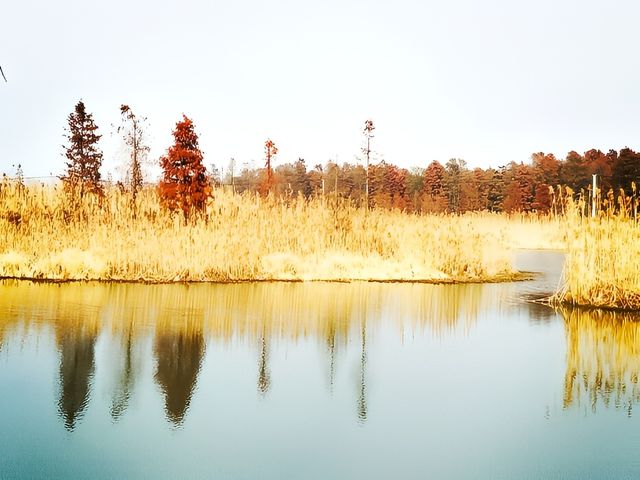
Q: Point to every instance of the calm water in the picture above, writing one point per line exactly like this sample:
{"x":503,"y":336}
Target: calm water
{"x":309,"y":381}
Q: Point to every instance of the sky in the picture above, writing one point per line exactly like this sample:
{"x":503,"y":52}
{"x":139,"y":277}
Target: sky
{"x":486,"y":81}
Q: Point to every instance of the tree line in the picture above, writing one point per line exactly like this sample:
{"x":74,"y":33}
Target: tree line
{"x":450,"y":187}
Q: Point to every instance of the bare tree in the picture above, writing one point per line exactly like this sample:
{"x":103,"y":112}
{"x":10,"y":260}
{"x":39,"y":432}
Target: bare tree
{"x":135,"y":138}
{"x":368,"y":134}
{"x":232,"y":166}
{"x":270,"y":151}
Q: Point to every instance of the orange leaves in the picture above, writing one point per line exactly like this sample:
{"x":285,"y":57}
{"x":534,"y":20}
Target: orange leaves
{"x":184,"y":183}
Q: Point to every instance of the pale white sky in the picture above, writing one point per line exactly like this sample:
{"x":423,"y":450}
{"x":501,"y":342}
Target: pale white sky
{"x":486,"y":81}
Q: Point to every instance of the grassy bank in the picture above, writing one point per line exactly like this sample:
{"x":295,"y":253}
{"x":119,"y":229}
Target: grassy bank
{"x":46,"y":234}
{"x":602,"y":267}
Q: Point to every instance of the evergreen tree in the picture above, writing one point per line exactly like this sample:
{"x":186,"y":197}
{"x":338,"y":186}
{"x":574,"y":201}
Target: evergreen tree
{"x":84,"y":158}
{"x":184,"y":182}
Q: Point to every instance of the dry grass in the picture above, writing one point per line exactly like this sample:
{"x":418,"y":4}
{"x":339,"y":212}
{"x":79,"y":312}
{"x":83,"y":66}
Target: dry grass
{"x":602,"y":267}
{"x":46,"y":234}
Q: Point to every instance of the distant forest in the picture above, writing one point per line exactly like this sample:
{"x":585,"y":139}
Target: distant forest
{"x":451,"y":187}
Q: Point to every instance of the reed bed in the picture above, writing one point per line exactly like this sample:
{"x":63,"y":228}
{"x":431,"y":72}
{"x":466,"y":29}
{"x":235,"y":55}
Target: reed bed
{"x":602,"y":266}
{"x":47,"y":234}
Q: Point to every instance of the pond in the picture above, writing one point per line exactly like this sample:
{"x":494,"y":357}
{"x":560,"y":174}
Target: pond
{"x":315,"y":380}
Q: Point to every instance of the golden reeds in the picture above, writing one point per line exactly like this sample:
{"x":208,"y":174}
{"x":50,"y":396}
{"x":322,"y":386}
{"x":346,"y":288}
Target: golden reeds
{"x":45,"y":233}
{"x":602,"y":267}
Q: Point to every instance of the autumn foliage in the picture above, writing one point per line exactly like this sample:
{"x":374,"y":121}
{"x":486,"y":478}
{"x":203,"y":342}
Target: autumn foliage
{"x":184,"y":184}
{"x":452,"y":186}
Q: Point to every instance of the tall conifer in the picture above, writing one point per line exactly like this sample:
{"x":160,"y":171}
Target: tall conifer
{"x":83,"y":155}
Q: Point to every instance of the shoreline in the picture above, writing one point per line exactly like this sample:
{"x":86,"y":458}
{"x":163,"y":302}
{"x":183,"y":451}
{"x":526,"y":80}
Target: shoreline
{"x":558,"y":305}
{"x":520,"y":276}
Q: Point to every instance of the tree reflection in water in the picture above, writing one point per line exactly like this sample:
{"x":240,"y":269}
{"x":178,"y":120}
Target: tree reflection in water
{"x":331,"y":350}
{"x":181,"y":318}
{"x":76,"y":338}
{"x":126,"y":378}
{"x":264,"y":375}
{"x":362,"y":397}
{"x":179,"y":354}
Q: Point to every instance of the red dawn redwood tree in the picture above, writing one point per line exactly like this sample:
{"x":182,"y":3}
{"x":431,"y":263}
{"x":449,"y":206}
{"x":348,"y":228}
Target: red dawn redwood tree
{"x":84,"y":158}
{"x":184,"y":182}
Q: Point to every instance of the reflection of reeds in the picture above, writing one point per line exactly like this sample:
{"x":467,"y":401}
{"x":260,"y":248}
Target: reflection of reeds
{"x":327,"y":311}
{"x":183,"y":318}
{"x":603,"y":358}
{"x":46,"y":234}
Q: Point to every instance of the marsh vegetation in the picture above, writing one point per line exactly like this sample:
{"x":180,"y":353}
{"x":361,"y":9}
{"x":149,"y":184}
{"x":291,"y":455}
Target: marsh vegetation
{"x":602,"y":266}
{"x":48,"y":234}
{"x":380,"y":223}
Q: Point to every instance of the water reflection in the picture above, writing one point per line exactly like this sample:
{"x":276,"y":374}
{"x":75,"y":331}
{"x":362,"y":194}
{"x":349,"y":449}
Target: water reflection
{"x":76,"y":338}
{"x":250,"y":311}
{"x":603,"y":359}
{"x":362,"y":397}
{"x":127,"y":374}
{"x":538,"y":309}
{"x":264,"y":374}
{"x":179,"y":320}
{"x":330,"y":336}
{"x":179,"y":349}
